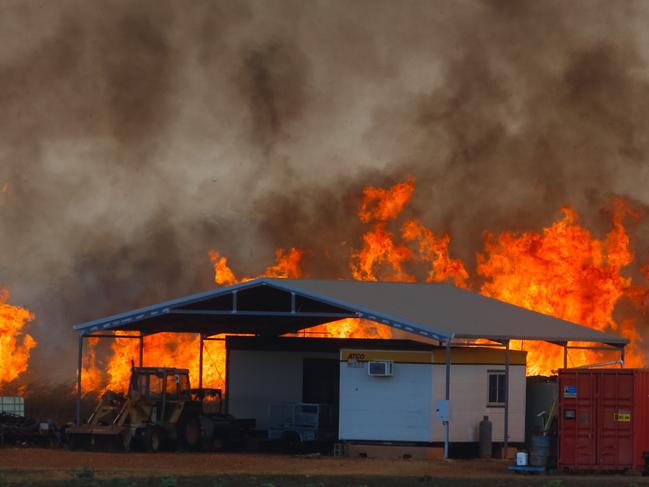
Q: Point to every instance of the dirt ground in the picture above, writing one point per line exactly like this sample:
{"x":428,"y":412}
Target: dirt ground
{"x":33,"y":466}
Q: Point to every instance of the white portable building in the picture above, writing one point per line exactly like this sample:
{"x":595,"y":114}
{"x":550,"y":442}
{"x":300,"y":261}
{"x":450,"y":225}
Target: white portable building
{"x":391,"y":395}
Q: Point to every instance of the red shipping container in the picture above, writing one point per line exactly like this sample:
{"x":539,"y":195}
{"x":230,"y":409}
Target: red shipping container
{"x":603,"y":419}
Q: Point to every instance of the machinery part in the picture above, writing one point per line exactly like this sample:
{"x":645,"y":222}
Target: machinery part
{"x":152,"y":439}
{"x":209,"y":440}
{"x":189,"y":433}
{"x":160,"y":408}
{"x":126,"y":441}
{"x":15,"y":430}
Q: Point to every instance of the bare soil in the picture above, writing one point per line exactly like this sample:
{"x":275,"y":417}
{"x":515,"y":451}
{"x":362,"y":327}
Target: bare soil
{"x":41,"y":467}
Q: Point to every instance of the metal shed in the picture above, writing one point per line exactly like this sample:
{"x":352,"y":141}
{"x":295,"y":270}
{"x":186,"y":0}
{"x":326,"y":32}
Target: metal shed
{"x":273,"y":307}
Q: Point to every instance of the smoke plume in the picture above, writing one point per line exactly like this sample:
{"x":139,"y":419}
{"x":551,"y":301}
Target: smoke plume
{"x":136,"y":136}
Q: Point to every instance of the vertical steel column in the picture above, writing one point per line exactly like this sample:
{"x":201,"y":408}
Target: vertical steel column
{"x":447,"y":395}
{"x":622,"y":357}
{"x":79,"y":370}
{"x":200,"y":364}
{"x":565,"y":355}
{"x":141,"y":350}
{"x":506,"y":425}
{"x":227,"y":380}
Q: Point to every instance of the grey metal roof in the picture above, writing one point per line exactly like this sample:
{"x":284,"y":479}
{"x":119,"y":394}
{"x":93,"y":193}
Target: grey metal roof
{"x":276,"y":306}
{"x":449,"y":309}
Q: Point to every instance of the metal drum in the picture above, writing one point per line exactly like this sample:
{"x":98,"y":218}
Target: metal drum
{"x":538,"y":456}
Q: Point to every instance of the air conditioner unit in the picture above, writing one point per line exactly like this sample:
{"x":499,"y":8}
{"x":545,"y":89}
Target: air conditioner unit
{"x":379,"y":368}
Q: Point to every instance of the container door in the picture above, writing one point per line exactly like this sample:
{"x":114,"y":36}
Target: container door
{"x":614,"y":418}
{"x":577,"y":437}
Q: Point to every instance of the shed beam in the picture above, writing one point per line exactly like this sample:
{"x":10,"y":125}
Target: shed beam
{"x":106,"y":335}
{"x":603,"y":349}
{"x":622,"y":357}
{"x":565,"y":356}
{"x":212,"y":312}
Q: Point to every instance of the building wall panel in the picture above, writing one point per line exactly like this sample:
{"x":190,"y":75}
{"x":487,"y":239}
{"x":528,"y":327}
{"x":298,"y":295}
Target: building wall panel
{"x":469,"y":402}
{"x":258,"y":378}
{"x":402,"y":408}
{"x":397,"y":408}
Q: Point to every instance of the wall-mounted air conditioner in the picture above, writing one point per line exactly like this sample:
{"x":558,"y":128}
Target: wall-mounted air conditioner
{"x":379,"y":368}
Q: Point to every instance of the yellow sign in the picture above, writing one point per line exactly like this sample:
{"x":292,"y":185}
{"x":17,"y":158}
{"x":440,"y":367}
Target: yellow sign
{"x":623,"y":417}
{"x":394,"y":355}
{"x":467,"y":356}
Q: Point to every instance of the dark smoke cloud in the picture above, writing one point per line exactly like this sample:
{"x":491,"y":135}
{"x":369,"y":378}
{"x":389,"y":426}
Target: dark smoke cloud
{"x":136,"y":136}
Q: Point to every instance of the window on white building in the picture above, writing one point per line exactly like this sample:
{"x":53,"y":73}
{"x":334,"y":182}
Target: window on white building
{"x":496,"y":387}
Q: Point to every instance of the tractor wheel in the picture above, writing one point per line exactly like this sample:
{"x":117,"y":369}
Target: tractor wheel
{"x":152,"y":440}
{"x":125,"y":443}
{"x":189,"y":433}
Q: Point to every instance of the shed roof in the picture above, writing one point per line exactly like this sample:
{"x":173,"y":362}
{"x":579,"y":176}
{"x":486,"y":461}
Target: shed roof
{"x":277,"y":306}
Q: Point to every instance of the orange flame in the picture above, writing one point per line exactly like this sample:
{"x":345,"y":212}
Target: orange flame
{"x":223,"y":275}
{"x":563,"y":271}
{"x":381,"y":205}
{"x":91,"y":375}
{"x":180,"y":350}
{"x":15,"y":344}
{"x":435,"y":250}
{"x":380,"y":254}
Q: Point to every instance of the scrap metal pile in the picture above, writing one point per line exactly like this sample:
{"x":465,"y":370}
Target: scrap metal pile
{"x":17,"y":430}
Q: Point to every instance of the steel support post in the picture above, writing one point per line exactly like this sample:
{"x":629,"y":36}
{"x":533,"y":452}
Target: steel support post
{"x":565,"y":356}
{"x":622,"y":357}
{"x":141,"y":351}
{"x":79,"y":370}
{"x":447,"y":396}
{"x":200,"y":364}
{"x":506,"y":422}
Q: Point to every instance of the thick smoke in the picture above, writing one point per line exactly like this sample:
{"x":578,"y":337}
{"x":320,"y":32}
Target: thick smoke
{"x":136,"y":136}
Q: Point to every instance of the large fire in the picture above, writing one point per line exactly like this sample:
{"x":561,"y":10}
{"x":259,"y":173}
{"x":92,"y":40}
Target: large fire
{"x":563,"y":271}
{"x":15,"y":343}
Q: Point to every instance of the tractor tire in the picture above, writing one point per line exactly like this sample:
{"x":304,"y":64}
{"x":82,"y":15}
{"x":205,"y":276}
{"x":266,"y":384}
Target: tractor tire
{"x":124,"y":443}
{"x":189,"y":433}
{"x":152,"y":440}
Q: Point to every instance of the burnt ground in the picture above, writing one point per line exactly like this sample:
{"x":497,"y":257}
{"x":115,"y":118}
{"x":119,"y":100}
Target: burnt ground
{"x":49,"y":467}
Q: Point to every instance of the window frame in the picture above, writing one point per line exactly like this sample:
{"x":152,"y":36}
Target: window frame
{"x":497,"y":373}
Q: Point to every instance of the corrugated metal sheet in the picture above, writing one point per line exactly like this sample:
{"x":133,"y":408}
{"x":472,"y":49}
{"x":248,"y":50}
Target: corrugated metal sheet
{"x":278,"y":306}
{"x":446,"y":308}
{"x":603,"y":419}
